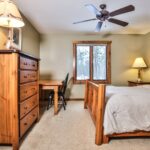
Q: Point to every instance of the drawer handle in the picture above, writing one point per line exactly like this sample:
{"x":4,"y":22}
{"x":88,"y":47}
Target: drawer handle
{"x":25,"y":76}
{"x":25,"y":63}
{"x":33,"y":115}
{"x":25,"y":124}
{"x":25,"y":92}
{"x":26,"y":107}
{"x":33,"y":65}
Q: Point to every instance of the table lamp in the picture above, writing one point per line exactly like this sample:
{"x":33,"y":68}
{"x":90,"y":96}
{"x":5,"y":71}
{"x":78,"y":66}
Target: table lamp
{"x":139,"y":64}
{"x":10,"y":17}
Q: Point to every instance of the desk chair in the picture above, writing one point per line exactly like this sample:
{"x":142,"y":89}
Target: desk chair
{"x":61,"y":94}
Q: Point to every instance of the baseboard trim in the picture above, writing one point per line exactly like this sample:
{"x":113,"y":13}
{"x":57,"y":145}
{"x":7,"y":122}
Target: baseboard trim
{"x":68,"y":99}
{"x":75,"y":99}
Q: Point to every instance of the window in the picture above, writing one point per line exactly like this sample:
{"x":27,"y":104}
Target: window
{"x":92,"y":61}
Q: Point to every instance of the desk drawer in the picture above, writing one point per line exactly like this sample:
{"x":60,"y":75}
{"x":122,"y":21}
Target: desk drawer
{"x":27,"y":121}
{"x":27,"y":90}
{"x":28,"y":76}
{"x":28,"y":105}
{"x":26,"y":63}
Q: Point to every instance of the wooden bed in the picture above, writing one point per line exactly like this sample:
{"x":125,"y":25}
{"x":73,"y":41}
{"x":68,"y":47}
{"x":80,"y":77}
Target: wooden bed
{"x":95,"y":103}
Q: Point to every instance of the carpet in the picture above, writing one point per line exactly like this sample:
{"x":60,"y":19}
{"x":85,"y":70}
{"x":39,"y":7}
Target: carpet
{"x":72,"y":129}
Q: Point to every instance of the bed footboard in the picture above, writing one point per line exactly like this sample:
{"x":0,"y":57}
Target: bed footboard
{"x":95,"y":103}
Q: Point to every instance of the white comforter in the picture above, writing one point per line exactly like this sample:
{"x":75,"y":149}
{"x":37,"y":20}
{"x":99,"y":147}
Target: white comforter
{"x":127,"y":109}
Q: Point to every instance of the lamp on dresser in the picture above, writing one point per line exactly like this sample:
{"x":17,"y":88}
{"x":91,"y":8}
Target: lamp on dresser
{"x":10,"y":17}
{"x":139,"y":64}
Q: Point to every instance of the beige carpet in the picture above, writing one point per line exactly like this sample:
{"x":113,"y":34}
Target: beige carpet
{"x":72,"y":129}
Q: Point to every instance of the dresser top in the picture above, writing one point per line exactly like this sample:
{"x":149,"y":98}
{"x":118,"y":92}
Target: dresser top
{"x":19,"y":52}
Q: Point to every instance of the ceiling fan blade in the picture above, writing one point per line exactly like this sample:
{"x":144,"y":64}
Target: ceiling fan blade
{"x":93,"y":9}
{"x":119,"y":22}
{"x":84,"y":21}
{"x":122,"y":10}
{"x":98,"y":26}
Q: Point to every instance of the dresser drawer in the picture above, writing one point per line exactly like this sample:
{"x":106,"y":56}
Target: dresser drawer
{"x":27,"y":90}
{"x":28,"y":76}
{"x":28,"y":105}
{"x":27,"y":121}
{"x":26,"y":63}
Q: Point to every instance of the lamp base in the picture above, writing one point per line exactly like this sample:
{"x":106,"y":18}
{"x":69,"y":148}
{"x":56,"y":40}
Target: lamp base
{"x":8,"y":44}
{"x":139,"y":75}
{"x":139,"y":80}
{"x":9,"y":39}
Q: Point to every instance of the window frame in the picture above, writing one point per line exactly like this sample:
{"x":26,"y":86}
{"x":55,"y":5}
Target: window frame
{"x":108,"y":61}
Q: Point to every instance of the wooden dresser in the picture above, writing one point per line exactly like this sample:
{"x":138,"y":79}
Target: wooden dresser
{"x":19,"y":95}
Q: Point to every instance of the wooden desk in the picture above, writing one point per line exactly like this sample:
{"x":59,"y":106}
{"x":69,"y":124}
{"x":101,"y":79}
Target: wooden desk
{"x":51,"y":85}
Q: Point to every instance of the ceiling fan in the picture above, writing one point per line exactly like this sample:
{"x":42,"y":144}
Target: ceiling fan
{"x":104,"y":15}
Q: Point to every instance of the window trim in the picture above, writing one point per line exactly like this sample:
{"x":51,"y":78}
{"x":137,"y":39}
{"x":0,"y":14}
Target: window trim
{"x":108,"y":62}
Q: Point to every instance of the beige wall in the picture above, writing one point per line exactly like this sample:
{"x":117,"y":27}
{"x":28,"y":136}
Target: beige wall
{"x":146,"y":51}
{"x":30,"y":38}
{"x":56,"y":55}
{"x":3,"y":37}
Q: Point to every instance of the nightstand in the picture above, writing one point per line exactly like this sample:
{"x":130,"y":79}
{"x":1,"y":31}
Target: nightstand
{"x":135,"y":83}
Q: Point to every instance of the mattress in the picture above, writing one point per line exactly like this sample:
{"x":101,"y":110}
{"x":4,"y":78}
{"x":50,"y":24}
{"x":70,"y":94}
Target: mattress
{"x":127,"y":109}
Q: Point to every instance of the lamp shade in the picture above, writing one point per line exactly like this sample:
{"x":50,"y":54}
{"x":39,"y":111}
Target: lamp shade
{"x":9,"y":14}
{"x":139,"y":63}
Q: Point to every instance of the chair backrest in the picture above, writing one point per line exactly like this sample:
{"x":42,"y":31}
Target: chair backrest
{"x":65,"y":84}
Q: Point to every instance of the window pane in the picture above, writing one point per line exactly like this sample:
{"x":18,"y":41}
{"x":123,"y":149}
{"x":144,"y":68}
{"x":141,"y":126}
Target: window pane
{"x":83,"y":72}
{"x":99,"y":62}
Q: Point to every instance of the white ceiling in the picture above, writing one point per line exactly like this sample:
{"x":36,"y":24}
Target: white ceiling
{"x":57,"y":16}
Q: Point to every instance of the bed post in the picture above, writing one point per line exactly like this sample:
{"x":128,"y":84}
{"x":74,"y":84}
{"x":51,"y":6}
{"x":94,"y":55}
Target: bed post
{"x":105,"y":139}
{"x":100,"y":114}
{"x":86,"y":95}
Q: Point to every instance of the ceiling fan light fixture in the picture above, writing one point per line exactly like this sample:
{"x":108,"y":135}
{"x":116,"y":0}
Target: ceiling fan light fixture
{"x":104,"y":15}
{"x":102,"y":6}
